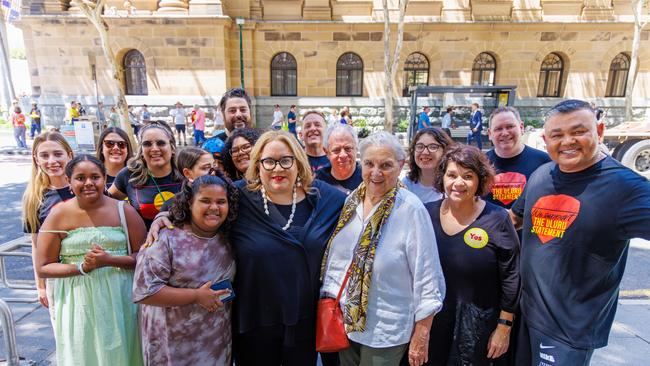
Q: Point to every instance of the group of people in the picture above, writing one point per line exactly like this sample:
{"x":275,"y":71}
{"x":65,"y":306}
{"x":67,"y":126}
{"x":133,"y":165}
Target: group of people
{"x":428,"y":269}
{"x":475,"y":123}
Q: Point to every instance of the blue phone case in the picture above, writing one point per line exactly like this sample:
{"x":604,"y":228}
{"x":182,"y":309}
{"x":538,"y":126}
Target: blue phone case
{"x":222,"y":285}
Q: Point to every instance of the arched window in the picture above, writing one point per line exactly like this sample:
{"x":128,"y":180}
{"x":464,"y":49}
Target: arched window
{"x":416,"y":71}
{"x":135,"y":73}
{"x":617,"y":79}
{"x":349,"y":75}
{"x":484,"y":69}
{"x":284,"y":75}
{"x":550,"y":76}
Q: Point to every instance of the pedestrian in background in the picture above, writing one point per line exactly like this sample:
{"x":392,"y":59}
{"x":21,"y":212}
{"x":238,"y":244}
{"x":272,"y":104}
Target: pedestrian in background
{"x":35,"y":119}
{"x":278,"y":118}
{"x":447,"y":120}
{"x":114,"y":118}
{"x":18,"y":121}
{"x":145,"y":115}
{"x":475,"y":126}
{"x":180,"y":122}
{"x":101,"y":114}
{"x":423,"y":118}
{"x":198,"y":122}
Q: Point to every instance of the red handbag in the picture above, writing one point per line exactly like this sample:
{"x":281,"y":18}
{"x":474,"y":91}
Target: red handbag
{"x":330,"y":331}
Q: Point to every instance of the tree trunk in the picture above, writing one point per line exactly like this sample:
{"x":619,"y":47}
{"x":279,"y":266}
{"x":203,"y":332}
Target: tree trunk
{"x":637,"y":9}
{"x":93,"y":12}
{"x":391,"y":61}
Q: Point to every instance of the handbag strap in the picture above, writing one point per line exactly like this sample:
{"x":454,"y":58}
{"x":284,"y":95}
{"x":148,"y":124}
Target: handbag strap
{"x":125,"y":227}
{"x":345,"y":282}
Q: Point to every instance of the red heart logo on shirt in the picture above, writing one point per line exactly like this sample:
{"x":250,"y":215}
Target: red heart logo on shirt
{"x":552,"y":215}
{"x":508,"y":186}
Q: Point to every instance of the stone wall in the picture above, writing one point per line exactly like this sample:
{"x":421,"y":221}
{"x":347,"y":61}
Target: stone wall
{"x":194,"y":59}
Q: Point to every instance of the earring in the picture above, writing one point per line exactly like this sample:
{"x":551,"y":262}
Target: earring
{"x":298,"y":182}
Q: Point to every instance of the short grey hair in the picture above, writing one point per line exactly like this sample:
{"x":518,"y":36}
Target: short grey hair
{"x":340,"y":128}
{"x":383,"y":139}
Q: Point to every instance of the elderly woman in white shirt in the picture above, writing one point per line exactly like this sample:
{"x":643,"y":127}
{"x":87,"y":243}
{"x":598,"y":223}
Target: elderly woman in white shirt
{"x":385,"y":236}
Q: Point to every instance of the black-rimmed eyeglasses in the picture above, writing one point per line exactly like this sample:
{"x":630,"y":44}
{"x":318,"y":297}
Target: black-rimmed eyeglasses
{"x":431,"y":147}
{"x":286,"y":162}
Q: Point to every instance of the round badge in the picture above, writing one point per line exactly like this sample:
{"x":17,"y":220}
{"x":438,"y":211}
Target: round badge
{"x":160,"y":199}
{"x":476,"y":238}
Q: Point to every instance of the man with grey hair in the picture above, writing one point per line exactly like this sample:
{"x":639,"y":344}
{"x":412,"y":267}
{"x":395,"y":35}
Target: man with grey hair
{"x":514,"y":162}
{"x":578,"y":213}
{"x":344,"y":173}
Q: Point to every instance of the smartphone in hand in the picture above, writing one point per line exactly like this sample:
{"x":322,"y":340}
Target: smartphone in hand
{"x":224,"y":285}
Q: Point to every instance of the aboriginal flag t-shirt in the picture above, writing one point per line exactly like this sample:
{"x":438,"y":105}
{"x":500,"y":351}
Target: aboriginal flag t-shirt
{"x":512,"y":174}
{"x":576,"y":233}
{"x":148,"y":198}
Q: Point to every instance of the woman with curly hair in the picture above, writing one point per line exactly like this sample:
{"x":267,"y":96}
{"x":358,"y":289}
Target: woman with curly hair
{"x":183,"y":321}
{"x":151,"y":177}
{"x":427,"y":147}
{"x":237,"y":153}
{"x":479,"y":254}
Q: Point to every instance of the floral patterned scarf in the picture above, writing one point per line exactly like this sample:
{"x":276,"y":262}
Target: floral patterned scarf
{"x":364,"y":255}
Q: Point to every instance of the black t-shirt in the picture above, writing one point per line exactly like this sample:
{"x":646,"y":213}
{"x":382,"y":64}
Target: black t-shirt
{"x":51,"y":198}
{"x":576,"y":233}
{"x":109,"y":181}
{"x":318,"y":162}
{"x":147,"y":199}
{"x":481,"y":262}
{"x":512,"y":174}
{"x":347,"y":185}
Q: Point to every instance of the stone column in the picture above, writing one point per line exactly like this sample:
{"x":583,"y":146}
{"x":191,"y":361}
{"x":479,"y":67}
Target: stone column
{"x":527,"y":10}
{"x":172,"y":7}
{"x":205,"y":7}
{"x":598,"y":10}
{"x":456,"y":10}
{"x":317,"y":10}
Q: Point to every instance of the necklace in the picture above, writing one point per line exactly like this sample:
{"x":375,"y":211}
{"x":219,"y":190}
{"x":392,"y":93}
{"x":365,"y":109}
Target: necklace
{"x":293,"y":206}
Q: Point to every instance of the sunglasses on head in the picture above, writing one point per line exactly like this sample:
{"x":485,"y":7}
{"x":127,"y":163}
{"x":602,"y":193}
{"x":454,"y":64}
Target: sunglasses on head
{"x":159,"y":143}
{"x":111,"y":144}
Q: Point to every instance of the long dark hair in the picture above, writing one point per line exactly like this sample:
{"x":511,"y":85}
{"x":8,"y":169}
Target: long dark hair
{"x":441,"y":138}
{"x":122,"y":134}
{"x":249,"y":134}
{"x":180,"y":212}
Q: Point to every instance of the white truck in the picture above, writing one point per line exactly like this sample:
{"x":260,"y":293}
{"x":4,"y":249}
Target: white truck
{"x":629,"y":143}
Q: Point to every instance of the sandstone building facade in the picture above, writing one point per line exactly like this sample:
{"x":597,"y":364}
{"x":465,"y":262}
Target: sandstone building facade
{"x":330,"y":52}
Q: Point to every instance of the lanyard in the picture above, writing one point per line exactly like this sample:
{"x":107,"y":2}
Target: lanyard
{"x":158,"y":188}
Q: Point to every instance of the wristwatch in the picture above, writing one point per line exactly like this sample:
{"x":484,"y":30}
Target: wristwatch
{"x":505,"y":322}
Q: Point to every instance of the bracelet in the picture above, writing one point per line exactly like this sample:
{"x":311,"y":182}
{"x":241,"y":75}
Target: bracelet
{"x":80,"y":268}
{"x":505,"y":322}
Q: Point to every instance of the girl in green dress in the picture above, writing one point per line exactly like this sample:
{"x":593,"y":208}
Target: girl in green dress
{"x":88,"y":246}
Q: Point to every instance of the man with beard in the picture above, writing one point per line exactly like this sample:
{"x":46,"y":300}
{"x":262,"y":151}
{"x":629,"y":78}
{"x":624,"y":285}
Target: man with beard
{"x":514,"y":162}
{"x":344,"y":173}
{"x":313,"y":130}
{"x":579,"y":213}
{"x":235,"y":106}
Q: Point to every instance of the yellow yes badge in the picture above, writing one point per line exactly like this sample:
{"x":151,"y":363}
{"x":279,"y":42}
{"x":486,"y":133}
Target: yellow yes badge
{"x":476,"y":238}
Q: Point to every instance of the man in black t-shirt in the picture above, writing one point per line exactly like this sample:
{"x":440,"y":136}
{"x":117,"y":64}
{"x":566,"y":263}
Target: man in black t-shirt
{"x":514,"y":162}
{"x":341,"y":146}
{"x":313,"y":131}
{"x":578,"y":213}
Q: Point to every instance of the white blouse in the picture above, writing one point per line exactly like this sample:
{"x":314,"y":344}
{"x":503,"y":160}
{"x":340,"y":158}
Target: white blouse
{"x":425,"y":193}
{"x":407,"y":284}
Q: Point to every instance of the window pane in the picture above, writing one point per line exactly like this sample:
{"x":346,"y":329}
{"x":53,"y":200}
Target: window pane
{"x":552,"y":89}
{"x":356,"y":83}
{"x":291,"y":82}
{"x":542,"y":84}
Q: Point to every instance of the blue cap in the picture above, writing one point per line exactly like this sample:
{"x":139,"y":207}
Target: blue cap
{"x":214,"y":145}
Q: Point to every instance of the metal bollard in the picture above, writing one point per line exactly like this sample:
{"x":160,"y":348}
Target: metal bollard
{"x":9,"y":333}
